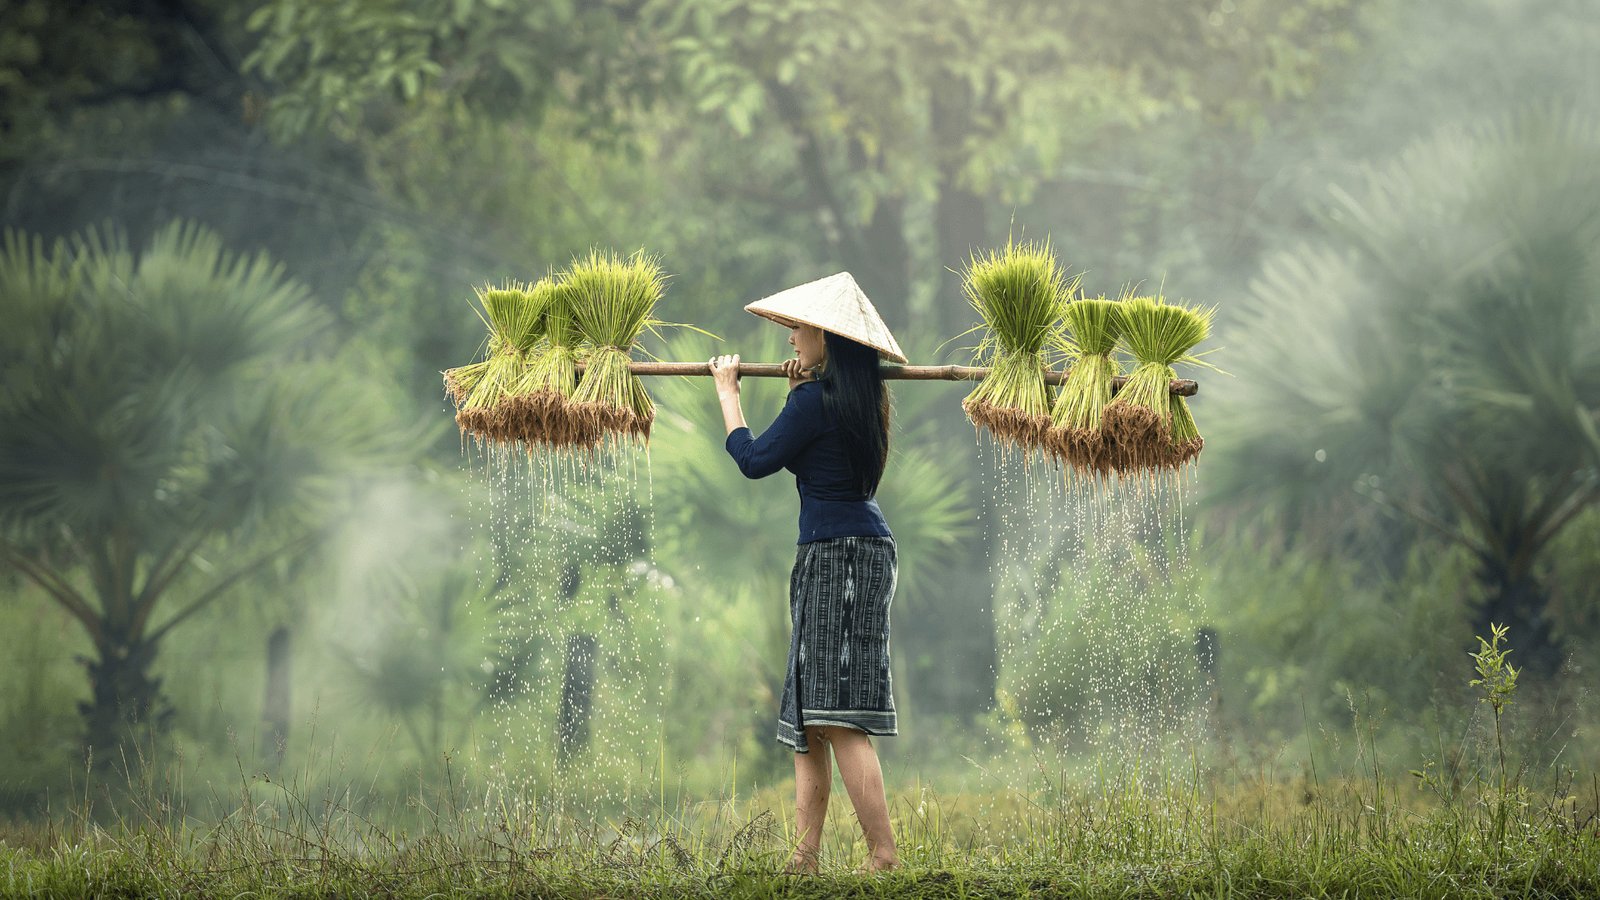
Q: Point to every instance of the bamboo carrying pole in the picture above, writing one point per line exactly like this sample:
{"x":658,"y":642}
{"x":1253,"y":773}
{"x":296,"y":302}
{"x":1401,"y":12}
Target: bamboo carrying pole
{"x":1181,"y":387}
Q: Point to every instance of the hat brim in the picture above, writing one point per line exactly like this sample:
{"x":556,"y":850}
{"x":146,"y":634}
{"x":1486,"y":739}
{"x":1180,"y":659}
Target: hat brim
{"x":835,"y":304}
{"x":791,"y":321}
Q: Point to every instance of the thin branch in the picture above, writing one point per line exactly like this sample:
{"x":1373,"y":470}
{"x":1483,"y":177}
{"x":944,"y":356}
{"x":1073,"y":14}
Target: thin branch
{"x":221,"y":587}
{"x":57,"y":587}
{"x":1551,"y":500}
{"x":1575,"y":504}
{"x":1453,"y":535}
{"x":1586,"y":427}
{"x":172,"y":561}
{"x":158,"y":581}
{"x":204,"y":35}
{"x":1465,"y":502}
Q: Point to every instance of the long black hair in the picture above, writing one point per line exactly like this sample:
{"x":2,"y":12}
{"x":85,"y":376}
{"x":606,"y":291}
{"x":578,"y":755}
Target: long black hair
{"x":854,"y":396}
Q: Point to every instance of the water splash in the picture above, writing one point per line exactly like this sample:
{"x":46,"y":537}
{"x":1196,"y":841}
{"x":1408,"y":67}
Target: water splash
{"x":572,"y":596}
{"x":1099,"y":620}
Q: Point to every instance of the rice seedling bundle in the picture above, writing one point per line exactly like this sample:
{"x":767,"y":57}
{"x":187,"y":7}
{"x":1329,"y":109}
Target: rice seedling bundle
{"x":1021,"y":293}
{"x":542,"y":393}
{"x":481,"y":390}
{"x":1150,"y":427}
{"x":1075,"y":434}
{"x":613,"y":300}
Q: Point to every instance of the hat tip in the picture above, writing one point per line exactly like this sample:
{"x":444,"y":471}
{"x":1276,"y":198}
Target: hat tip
{"x":833,"y":303}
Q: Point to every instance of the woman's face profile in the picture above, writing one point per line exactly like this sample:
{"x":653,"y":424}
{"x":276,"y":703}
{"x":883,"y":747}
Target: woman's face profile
{"x":808,"y":345}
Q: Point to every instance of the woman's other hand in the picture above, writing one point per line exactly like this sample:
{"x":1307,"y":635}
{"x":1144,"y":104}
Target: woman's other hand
{"x":725,"y":372}
{"x":796,"y":375}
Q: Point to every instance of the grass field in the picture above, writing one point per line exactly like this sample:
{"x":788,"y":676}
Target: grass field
{"x":1125,"y":838}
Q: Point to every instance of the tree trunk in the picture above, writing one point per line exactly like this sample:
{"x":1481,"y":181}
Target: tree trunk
{"x":123,"y":696}
{"x":960,"y":224}
{"x":510,"y":675}
{"x":881,"y":262}
{"x":577,"y":698}
{"x":876,"y":252}
{"x":1208,"y":659}
{"x":1518,"y":601}
{"x":275,"y":709}
{"x":962,"y":228}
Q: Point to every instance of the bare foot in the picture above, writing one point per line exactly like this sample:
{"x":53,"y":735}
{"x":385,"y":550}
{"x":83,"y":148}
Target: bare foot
{"x":877,"y":865}
{"x":801,"y":863}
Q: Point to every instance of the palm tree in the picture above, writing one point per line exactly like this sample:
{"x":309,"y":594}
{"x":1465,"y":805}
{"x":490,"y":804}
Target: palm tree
{"x":1437,"y":358}
{"x":167,"y":433}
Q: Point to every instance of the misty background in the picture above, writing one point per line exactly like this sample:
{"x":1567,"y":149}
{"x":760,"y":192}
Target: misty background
{"x":241,"y":532}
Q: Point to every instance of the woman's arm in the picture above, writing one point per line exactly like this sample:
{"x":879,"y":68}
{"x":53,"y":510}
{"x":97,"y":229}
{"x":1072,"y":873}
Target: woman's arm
{"x":725,"y":374}
{"x":798,"y":423}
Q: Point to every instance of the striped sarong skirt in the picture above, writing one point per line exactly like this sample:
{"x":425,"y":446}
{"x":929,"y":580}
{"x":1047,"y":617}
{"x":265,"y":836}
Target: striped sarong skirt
{"x":838,"y":670}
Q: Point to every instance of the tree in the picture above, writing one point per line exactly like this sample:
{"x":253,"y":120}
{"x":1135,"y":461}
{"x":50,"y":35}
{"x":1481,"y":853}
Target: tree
{"x":916,"y":130}
{"x":343,"y":65}
{"x":167,"y":433}
{"x":1436,"y":358}
{"x":905,"y":133}
{"x":58,"y":55}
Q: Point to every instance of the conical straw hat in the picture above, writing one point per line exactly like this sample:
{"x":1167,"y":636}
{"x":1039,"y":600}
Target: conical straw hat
{"x":835,"y":304}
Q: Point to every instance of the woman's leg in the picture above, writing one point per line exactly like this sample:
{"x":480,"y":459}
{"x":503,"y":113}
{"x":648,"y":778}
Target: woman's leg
{"x":863,"y":779}
{"x":813,"y":780}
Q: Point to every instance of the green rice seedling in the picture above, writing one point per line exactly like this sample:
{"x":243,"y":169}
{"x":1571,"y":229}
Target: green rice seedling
{"x":459,"y":382}
{"x":482,"y":409}
{"x":1021,"y":293}
{"x":552,"y":377}
{"x":1150,"y":428}
{"x":1075,"y":434}
{"x":613,"y":301}
{"x":540,"y":394}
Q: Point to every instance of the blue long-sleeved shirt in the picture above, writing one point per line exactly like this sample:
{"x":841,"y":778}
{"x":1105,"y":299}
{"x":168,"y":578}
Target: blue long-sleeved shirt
{"x":804,"y":440}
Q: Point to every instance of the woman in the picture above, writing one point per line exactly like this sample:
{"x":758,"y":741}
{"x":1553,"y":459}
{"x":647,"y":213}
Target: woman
{"x":833,"y":434}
